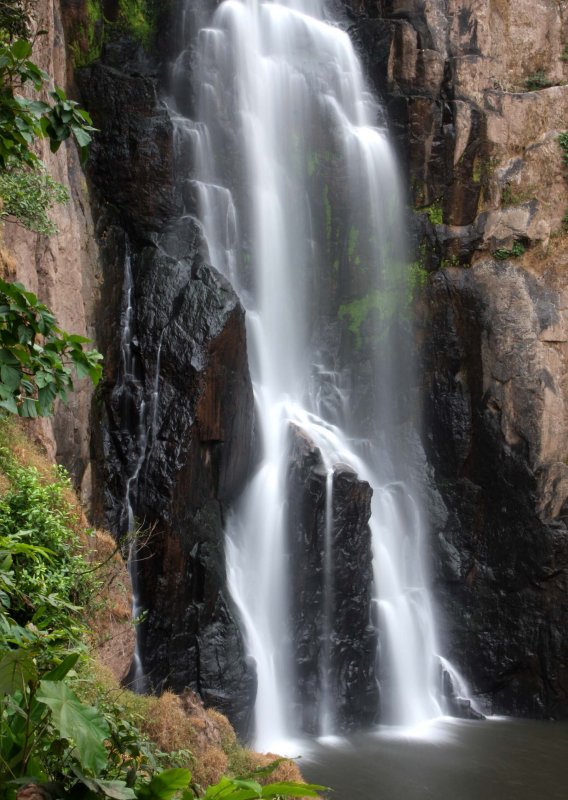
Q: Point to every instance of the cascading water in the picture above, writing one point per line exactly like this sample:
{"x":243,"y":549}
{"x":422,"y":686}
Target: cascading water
{"x":140,"y":416}
{"x":297,"y":193}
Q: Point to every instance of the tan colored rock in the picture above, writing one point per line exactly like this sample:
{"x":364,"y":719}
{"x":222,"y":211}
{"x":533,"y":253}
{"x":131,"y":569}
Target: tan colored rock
{"x":516,"y":121}
{"x":463,"y":128}
{"x":113,"y":634}
{"x":525,"y":371}
{"x":63,"y":269}
{"x":404,"y":54}
{"x":514,"y":40}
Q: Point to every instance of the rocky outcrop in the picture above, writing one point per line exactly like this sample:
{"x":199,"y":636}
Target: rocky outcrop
{"x":487,"y":177}
{"x":335,"y":642}
{"x":502,"y":554}
{"x":63,"y":269}
{"x":476,"y":101}
{"x":176,"y":404}
{"x":474,"y":139}
{"x":132,"y":162}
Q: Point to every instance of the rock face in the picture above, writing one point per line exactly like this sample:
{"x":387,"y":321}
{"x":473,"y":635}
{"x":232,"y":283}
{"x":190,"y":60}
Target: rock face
{"x":475,"y":106}
{"x":335,"y":643}
{"x":483,"y":164}
{"x":495,"y":387}
{"x":176,"y":406}
{"x":63,"y":270}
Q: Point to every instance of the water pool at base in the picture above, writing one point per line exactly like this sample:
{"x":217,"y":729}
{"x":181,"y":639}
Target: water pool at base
{"x":496,"y":759}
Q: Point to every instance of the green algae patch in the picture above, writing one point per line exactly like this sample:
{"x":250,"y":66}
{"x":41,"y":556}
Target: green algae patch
{"x":383,"y":303}
{"x":417,"y":279}
{"x":135,"y":18}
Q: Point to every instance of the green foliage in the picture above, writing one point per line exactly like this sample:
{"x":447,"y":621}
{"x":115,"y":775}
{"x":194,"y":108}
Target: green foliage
{"x":76,"y":722}
{"x":49,"y":735}
{"x":22,"y":120}
{"x":15,"y":19}
{"x":318,"y":160}
{"x":511,"y":198}
{"x":452,"y":261}
{"x":382,"y":303}
{"x":538,"y":80}
{"x":136,"y":18}
{"x":563,"y":142}
{"x":417,"y":278}
{"x":352,"y":242}
{"x":564,"y":54}
{"x":36,"y":524}
{"x":250,"y":789}
{"x":37,"y":357}
{"x":87,"y":43}
{"x":435,"y":213}
{"x":28,"y":194}
{"x":501,"y":254}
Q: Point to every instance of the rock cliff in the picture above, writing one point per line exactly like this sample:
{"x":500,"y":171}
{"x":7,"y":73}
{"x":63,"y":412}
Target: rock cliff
{"x":476,"y":101}
{"x":345,"y":675}
{"x":174,"y":427}
{"x":63,"y":270}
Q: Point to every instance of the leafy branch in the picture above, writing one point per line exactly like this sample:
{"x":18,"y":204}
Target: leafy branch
{"x":37,"y":359}
{"x":24,"y":119}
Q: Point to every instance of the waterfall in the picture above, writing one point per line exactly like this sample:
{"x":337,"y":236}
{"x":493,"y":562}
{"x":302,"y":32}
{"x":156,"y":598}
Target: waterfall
{"x":140,"y":418}
{"x":296,"y":189}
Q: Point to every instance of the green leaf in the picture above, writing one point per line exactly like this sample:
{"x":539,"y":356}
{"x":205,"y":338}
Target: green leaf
{"x":165,"y":785}
{"x":10,"y":376}
{"x":43,"y":379}
{"x":74,"y":338}
{"x":10,"y":405}
{"x":29,"y":408}
{"x":16,"y":670}
{"x":81,"y":135}
{"x":252,"y":786}
{"x":6,"y":356}
{"x":82,"y":370}
{"x":82,"y":724}
{"x":21,"y":49}
{"x":117,"y":790}
{"x":288,"y":789}
{"x":262,"y":772}
{"x":61,"y":670}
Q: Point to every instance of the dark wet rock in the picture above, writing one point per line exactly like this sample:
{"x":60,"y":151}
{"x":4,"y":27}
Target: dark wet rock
{"x":494,"y":422}
{"x":345,"y":639}
{"x":180,"y":430}
{"x":131,"y":159}
{"x":192,"y":399}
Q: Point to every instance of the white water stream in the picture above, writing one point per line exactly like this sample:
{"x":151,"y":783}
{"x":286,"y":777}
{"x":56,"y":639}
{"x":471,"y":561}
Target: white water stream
{"x":286,"y":122}
{"x":143,"y":437}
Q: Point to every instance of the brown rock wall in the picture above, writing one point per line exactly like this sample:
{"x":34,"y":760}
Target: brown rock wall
{"x":62,"y":269}
{"x":484,"y":149}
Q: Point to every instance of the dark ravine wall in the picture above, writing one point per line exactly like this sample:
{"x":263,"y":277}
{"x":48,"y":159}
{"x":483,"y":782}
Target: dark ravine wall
{"x":493,"y":337}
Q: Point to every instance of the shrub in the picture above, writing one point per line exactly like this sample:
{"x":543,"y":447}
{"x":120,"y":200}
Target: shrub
{"x":501,"y":254}
{"x":537,"y":80}
{"x":28,"y":194}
